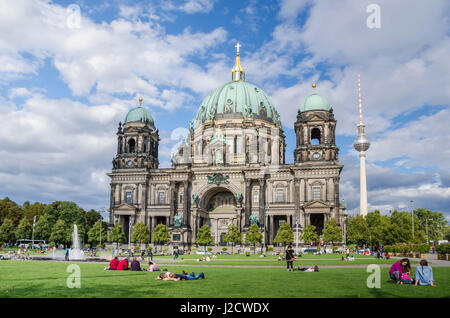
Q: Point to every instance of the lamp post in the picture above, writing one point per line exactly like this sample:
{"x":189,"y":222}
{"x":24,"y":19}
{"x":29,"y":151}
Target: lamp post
{"x":412,"y":218}
{"x":32,"y":238}
{"x":129,"y":234}
{"x":296,"y":234}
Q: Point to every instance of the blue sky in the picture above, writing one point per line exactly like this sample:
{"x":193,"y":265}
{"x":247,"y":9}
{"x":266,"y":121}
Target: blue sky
{"x":64,"y":86}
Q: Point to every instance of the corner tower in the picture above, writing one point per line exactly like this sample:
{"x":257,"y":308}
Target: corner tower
{"x":315,"y":131}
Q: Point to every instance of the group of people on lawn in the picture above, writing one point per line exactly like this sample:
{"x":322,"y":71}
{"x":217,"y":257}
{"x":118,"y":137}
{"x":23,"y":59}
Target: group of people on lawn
{"x":135,"y":265}
{"x":400,"y":272}
{"x":122,"y":265}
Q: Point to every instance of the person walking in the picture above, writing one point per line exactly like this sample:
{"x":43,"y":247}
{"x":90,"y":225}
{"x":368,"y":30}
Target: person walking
{"x":290,"y":258}
{"x":66,"y":254}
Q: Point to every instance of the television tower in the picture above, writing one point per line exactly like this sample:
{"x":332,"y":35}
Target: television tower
{"x":361,"y":145}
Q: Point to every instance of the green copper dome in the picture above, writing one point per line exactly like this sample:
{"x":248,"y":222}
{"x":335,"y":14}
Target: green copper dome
{"x":314,"y":102}
{"x":237,"y":99}
{"x":139,"y":114}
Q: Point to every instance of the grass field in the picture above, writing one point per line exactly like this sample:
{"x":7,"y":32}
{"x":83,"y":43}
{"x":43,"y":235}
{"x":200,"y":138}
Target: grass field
{"x":48,"y":279}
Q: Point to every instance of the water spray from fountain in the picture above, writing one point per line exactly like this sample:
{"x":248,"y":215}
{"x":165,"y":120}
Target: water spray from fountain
{"x":75,"y":253}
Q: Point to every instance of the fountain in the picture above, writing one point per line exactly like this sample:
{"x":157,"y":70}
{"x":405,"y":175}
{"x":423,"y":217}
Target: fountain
{"x":75,"y":253}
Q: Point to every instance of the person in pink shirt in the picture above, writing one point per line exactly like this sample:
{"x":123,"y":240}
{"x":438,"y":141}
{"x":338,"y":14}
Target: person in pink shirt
{"x":399,"y":267}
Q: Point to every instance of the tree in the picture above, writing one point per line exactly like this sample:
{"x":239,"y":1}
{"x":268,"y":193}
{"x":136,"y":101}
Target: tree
{"x":59,"y":233}
{"x":447,"y":233}
{"x":253,"y":236}
{"x":332,"y":232}
{"x":24,"y":230}
{"x":433,"y":223}
{"x":284,"y":234}
{"x":117,"y":234}
{"x":31,"y":210}
{"x":233,"y":236}
{"x":70,"y":213}
{"x":309,"y":234}
{"x":7,"y":232}
{"x":94,"y":232}
{"x":401,"y":228}
{"x":92,"y":217}
{"x":43,"y":230}
{"x":204,"y":236}
{"x":10,"y":210}
{"x":141,"y":233}
{"x":358,"y":230}
{"x":161,"y":234}
{"x":378,"y":225}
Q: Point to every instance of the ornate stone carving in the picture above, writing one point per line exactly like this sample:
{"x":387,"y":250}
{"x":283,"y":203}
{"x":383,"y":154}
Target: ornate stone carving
{"x":218,"y":179}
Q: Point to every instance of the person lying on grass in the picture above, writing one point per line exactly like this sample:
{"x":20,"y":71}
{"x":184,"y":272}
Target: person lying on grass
{"x":177,"y":277}
{"x":310,"y":269}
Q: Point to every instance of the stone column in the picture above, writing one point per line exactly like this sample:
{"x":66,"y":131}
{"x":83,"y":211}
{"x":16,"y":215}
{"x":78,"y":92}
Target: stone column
{"x":248,"y":200}
{"x":271,"y":230}
{"x":111,"y":205}
{"x":173,"y":202}
{"x":262,"y":201}
{"x":185,"y":204}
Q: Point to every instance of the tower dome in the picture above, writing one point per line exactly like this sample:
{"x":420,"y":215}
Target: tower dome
{"x":314,"y":102}
{"x":139,"y":114}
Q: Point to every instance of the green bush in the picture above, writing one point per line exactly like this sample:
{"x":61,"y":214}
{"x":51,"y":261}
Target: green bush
{"x":165,"y":248}
{"x":210,"y":249}
{"x":388,"y":249}
{"x":270,"y":249}
{"x":87,"y":245}
{"x":52,"y":244}
{"x":443,"y":248}
{"x":224,"y":249}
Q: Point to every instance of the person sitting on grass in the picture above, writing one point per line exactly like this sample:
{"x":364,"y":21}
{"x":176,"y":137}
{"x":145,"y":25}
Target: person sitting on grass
{"x":399,"y":267}
{"x":113,"y":264}
{"x":310,"y":269}
{"x":135,"y":265}
{"x":152,"y":267}
{"x":123,"y":265}
{"x":424,"y":274}
{"x":406,"y":279}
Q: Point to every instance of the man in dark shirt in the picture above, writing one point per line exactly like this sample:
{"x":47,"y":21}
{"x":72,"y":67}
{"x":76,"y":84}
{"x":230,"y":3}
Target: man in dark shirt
{"x":135,"y":265}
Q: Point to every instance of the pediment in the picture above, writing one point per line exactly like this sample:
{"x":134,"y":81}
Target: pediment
{"x":317,"y":204}
{"x":316,"y":117}
{"x":125,"y":207}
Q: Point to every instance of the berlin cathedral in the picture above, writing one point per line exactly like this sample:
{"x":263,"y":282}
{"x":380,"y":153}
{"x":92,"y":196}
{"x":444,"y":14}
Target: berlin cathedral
{"x":230,"y":169}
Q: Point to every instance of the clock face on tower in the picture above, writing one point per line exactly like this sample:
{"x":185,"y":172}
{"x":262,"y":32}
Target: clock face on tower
{"x":129,"y":163}
{"x":316,"y":155}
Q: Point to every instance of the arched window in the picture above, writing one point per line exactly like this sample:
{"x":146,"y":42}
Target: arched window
{"x":145,"y":144}
{"x":315,"y":136}
{"x":131,"y":145}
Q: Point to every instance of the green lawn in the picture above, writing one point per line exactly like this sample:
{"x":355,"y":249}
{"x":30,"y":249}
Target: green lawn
{"x":48,"y":279}
{"x":297,"y":262}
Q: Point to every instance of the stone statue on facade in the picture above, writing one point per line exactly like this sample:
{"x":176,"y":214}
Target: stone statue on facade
{"x":177,"y":219}
{"x":253,"y":219}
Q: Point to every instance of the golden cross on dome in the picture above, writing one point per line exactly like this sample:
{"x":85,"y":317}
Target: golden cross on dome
{"x":237,"y":46}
